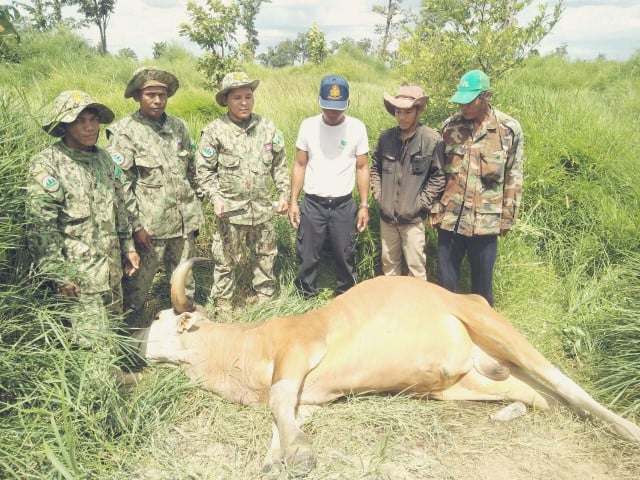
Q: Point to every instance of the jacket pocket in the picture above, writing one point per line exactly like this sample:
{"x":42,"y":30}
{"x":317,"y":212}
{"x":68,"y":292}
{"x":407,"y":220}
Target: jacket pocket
{"x":492,"y":166}
{"x":388,"y":163}
{"x":150,"y":173}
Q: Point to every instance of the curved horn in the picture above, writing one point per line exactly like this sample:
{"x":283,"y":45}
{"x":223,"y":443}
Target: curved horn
{"x":179,"y":300}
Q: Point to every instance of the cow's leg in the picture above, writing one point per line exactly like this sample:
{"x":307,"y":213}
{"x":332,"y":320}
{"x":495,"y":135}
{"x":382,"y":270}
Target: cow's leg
{"x":476,"y":386}
{"x":289,"y":441}
{"x":273,"y":462}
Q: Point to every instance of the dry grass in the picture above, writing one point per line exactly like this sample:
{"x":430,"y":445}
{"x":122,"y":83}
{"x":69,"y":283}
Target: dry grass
{"x":387,"y":438}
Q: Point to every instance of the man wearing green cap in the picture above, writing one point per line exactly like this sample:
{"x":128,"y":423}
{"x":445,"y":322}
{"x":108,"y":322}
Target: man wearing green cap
{"x":153,"y":149}
{"x":239,"y":155}
{"x":484,"y":167}
{"x":78,"y":227}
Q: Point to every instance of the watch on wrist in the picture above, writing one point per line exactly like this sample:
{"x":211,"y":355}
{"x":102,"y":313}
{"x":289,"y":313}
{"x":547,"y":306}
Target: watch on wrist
{"x":364,"y":205}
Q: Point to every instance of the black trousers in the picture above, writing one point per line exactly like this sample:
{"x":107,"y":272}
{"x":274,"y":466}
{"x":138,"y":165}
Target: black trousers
{"x":481,"y":251}
{"x":320,"y":218}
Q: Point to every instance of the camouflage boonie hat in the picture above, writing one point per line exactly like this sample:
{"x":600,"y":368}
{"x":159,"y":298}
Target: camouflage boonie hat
{"x":151,"y":77}
{"x":234,"y":80}
{"x":66,"y":108}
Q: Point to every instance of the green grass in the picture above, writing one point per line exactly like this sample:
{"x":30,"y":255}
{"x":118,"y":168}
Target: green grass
{"x":567,"y":276}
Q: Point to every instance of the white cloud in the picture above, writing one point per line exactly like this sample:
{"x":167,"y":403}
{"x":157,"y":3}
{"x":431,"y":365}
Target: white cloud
{"x":587,"y":27}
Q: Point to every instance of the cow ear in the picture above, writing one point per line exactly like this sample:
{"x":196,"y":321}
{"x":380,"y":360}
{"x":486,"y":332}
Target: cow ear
{"x":185,"y":321}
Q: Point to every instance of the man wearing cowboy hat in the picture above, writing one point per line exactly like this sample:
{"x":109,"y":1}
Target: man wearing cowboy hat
{"x":239,"y":155}
{"x":78,"y":227}
{"x":484,"y":164}
{"x":407,"y":179}
{"x":153,"y":149}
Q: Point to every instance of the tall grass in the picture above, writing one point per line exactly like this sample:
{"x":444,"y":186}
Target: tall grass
{"x":567,"y":276}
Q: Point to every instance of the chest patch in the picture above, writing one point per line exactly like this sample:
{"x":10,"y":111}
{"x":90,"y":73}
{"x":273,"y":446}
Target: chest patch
{"x":117,"y":158}
{"x":50,"y":184}
{"x":207,"y":152}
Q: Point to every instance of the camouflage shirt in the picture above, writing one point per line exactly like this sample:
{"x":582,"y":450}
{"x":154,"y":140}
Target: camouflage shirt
{"x":158,"y":168}
{"x":76,"y":220}
{"x":235,"y":164}
{"x":484,"y":175}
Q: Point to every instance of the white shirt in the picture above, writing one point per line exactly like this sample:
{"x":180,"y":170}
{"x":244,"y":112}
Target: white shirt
{"x":331,"y":154}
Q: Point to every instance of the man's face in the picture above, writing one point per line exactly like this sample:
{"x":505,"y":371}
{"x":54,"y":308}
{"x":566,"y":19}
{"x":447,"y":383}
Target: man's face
{"x":153,"y":102}
{"x":332,"y":117}
{"x":407,"y":118}
{"x":477,"y":108}
{"x":240,"y":104}
{"x":82,"y":133}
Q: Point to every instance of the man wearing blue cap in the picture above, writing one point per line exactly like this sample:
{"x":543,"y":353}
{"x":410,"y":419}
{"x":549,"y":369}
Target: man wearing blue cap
{"x":484,"y":167}
{"x":331,"y":158}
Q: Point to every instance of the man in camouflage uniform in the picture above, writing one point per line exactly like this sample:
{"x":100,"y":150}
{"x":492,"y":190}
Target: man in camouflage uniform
{"x":153,"y":149}
{"x":78,"y":226}
{"x":484,"y":167}
{"x":237,"y":156}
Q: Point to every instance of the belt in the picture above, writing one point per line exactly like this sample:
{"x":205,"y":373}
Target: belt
{"x":328,"y":201}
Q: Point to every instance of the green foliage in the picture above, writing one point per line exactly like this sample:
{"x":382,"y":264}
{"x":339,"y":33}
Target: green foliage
{"x":316,"y":45}
{"x":396,"y":19}
{"x":214,"y":29}
{"x":288,"y":52}
{"x":97,"y":12}
{"x":249,"y":10}
{"x":453,"y":36}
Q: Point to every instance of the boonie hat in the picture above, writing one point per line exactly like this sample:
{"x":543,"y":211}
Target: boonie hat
{"x":334,"y":93}
{"x":234,"y":80}
{"x":409,"y":95}
{"x":67,"y":106}
{"x":472,"y":84}
{"x":151,"y":77}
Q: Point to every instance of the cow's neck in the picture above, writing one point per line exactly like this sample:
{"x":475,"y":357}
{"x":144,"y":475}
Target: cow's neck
{"x":230,"y":362}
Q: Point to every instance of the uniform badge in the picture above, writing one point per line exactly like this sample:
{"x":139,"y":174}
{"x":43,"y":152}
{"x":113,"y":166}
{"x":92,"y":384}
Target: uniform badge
{"x":267,"y":147}
{"x":277,"y":139}
{"x":117,"y":172}
{"x":50,"y":183}
{"x":207,"y":152}
{"x":117,"y":158}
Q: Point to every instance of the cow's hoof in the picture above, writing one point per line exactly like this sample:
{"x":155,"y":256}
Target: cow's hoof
{"x":301,"y":464}
{"x":271,"y":469}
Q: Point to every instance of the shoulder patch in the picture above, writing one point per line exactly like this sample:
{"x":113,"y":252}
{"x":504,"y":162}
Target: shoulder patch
{"x":50,"y":184}
{"x":207,"y":152}
{"x":117,"y":158}
{"x":278,"y":138}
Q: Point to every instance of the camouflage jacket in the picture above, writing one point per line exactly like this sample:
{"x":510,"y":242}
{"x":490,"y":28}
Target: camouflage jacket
{"x":235,"y":164}
{"x":77,"y":224}
{"x":406,"y":175}
{"x":159,"y":170}
{"x":484,"y":175}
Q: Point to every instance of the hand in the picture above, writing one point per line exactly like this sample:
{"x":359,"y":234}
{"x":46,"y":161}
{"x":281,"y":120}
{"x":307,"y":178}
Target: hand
{"x":142,"y":239}
{"x":283,"y":207}
{"x":294,"y":215}
{"x":218,"y":209}
{"x":363,"y":218}
{"x":69,"y":291}
{"x":435,"y":219}
{"x":131,"y":263}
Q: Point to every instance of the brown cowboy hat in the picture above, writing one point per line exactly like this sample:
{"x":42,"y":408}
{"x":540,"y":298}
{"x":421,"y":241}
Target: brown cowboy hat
{"x":409,"y":95}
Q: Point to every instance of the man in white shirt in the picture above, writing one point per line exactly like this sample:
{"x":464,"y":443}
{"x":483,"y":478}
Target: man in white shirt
{"x":331,"y":158}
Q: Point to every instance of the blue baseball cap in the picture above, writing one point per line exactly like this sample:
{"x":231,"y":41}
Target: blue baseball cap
{"x":334,"y":93}
{"x":472,"y":84}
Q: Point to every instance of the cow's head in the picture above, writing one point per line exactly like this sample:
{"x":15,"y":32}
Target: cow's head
{"x":162,"y":340}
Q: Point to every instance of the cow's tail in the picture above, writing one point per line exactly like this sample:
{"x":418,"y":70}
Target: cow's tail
{"x":179,"y":300}
{"x":497,"y":336}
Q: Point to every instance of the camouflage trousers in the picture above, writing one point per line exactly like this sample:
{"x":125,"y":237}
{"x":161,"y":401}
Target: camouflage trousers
{"x":170,"y":251}
{"x":230,"y":245}
{"x":93,"y":316}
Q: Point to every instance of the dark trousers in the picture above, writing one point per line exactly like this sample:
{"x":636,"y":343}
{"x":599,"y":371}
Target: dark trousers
{"x":321,"y":218}
{"x":481,"y":251}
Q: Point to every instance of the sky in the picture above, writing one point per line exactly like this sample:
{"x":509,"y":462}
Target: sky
{"x":588,"y":27}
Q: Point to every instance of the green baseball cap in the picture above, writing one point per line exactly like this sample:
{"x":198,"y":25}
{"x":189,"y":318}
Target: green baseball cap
{"x":472,"y":84}
{"x":67,"y":106}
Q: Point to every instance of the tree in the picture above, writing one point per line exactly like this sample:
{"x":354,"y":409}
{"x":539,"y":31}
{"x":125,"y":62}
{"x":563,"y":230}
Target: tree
{"x":8,"y":15}
{"x":46,"y":14}
{"x":316,"y":45}
{"x":97,"y":12}
{"x":159,"y":48}
{"x":214,"y":29}
{"x":287,"y":52}
{"x":249,"y":10}
{"x":453,"y":36}
{"x":363,"y":44}
{"x":127,"y":53}
{"x":396,"y":18}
